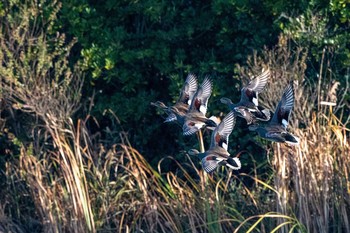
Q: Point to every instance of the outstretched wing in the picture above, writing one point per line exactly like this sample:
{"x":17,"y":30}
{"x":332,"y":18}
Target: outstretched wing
{"x":257,"y":85}
{"x":221,"y":133}
{"x":209,"y":163}
{"x":188,"y":90}
{"x":284,"y":107}
{"x":190,"y":127}
{"x":200,"y":99}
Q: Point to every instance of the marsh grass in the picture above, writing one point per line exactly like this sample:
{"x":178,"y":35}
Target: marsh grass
{"x":311,"y":180}
{"x":118,"y":190}
{"x":126,"y":194}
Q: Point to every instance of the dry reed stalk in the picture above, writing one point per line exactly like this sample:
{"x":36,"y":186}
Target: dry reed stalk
{"x":72,"y":211}
{"x":312,"y":177}
{"x":7,"y":224}
{"x":72,"y":166}
{"x":38,"y":80}
{"x":280,"y":183}
{"x":135,"y":197}
{"x":34,"y":172}
{"x":185,"y":205}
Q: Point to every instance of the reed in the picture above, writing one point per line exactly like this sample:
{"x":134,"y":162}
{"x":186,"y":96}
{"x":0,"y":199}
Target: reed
{"x":311,"y":179}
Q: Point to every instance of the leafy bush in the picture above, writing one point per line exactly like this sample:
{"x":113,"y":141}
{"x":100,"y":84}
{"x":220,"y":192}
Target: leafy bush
{"x":134,"y":51}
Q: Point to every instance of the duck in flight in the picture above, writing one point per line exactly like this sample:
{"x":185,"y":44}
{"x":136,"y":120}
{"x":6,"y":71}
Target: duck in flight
{"x":217,"y":154}
{"x":195,"y":118}
{"x":248,"y":107}
{"x":276,"y":129}
{"x":180,"y":108}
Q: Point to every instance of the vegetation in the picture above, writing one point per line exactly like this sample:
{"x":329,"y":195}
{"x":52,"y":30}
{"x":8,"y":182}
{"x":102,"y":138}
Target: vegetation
{"x":82,"y":150}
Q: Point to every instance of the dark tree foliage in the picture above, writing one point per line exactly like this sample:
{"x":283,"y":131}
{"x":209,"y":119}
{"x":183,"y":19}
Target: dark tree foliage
{"x":141,"y":51}
{"x":136,"y":52}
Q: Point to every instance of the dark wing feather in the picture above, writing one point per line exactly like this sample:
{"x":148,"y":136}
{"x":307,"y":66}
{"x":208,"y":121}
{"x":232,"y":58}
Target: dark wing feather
{"x":257,"y":85}
{"x":189,"y":89}
{"x":200,"y":99}
{"x":209,"y":164}
{"x":222,"y":131}
{"x":284,"y":107}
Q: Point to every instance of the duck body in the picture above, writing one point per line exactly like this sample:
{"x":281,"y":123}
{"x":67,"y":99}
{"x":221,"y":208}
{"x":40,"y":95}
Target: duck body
{"x":195,"y":118}
{"x":217,"y":154}
{"x":248,"y":110}
{"x":180,"y":108}
{"x":248,"y":107}
{"x":276,"y":133}
{"x":276,"y":129}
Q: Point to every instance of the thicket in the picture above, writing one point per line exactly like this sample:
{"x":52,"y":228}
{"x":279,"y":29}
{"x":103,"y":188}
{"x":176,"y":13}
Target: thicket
{"x":138,"y":48}
{"x":141,"y":48}
{"x":78,"y":133}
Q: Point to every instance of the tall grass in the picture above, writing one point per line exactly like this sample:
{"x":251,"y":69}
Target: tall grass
{"x":311,"y":179}
{"x":125,"y":193}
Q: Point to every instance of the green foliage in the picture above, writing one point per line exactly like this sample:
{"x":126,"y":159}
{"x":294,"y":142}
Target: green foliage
{"x":341,"y":10}
{"x":320,"y":25}
{"x":322,"y":28}
{"x":134,"y":50}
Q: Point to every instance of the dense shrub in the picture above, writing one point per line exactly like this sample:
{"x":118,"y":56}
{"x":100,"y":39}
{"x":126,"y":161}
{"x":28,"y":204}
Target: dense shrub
{"x":138,"y":52}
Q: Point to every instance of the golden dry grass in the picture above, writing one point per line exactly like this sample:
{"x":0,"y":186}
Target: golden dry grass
{"x":311,"y":179}
{"x":79,"y":178}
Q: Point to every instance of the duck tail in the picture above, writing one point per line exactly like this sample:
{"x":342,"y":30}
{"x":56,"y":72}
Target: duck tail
{"x":215,"y":119}
{"x":212,"y":122}
{"x":291,"y":139}
{"x":263,"y":114}
{"x":233,"y":163}
{"x":211,"y":125}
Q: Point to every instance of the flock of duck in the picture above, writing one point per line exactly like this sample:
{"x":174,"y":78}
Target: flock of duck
{"x":190,"y":110}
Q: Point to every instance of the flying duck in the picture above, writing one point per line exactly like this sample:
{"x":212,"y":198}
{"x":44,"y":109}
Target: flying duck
{"x":217,"y":154}
{"x":178,"y":110}
{"x":248,"y":107}
{"x":195,"y":118}
{"x":276,"y":129}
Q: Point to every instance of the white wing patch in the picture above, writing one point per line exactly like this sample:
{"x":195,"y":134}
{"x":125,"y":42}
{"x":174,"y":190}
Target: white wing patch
{"x":255,"y":101}
{"x":188,"y":130}
{"x":284,"y":123}
{"x":224,"y":145}
{"x":203,"y":109}
{"x":219,"y":159}
{"x":171,"y":117}
{"x":238,"y":162}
